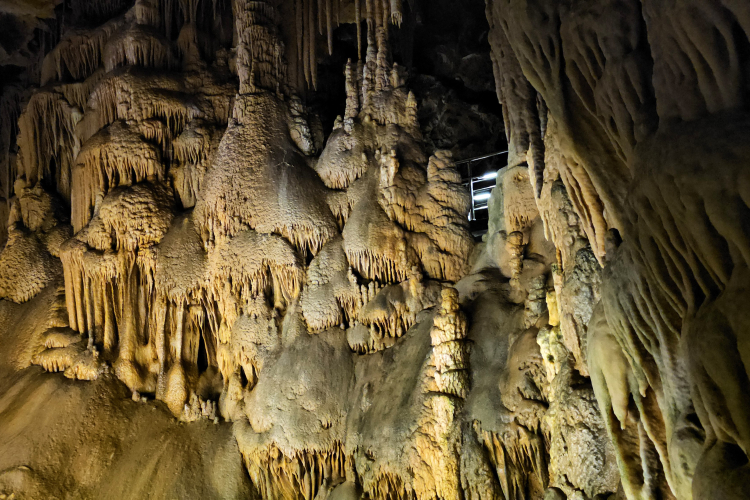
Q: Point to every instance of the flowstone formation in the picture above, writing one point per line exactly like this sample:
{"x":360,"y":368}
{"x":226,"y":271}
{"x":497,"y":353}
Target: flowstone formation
{"x":638,"y":112}
{"x":532,"y":424}
{"x":206,"y":292}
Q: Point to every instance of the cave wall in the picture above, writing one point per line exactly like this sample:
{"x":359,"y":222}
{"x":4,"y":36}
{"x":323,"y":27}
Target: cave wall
{"x":645,"y":104}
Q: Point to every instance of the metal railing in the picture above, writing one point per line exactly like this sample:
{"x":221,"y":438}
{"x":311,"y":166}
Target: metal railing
{"x":479,"y":186}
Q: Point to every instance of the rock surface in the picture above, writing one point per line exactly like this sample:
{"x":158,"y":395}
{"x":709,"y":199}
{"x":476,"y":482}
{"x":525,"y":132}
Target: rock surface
{"x":208,"y":289}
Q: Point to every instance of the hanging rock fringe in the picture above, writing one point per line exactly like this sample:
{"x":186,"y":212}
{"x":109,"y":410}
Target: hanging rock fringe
{"x":79,"y":53}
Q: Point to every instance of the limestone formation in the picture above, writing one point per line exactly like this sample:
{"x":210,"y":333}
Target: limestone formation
{"x":237,"y":297}
{"x":630,"y":91}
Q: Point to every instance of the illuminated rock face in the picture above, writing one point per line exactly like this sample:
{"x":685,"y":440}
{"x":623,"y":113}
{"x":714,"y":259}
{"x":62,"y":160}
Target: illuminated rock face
{"x":642,"y":114}
{"x":244,"y":306}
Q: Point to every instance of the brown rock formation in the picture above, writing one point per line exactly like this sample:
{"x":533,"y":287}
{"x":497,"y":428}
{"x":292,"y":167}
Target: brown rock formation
{"x":242,"y":305}
{"x":632,"y":90}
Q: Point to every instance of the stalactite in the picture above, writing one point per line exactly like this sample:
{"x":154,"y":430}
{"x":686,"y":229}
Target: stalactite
{"x":370,"y":17}
{"x":10,"y":109}
{"x":387,"y":486}
{"x":116,"y":156}
{"x":513,"y":454}
{"x":95,"y":9}
{"x":137,"y":45}
{"x":78,"y":93}
{"x":377,"y":13}
{"x":169,"y":10}
{"x":193,"y":152}
{"x":301,"y":476}
{"x":385,"y":11}
{"x":329,"y":27}
{"x":260,"y":51}
{"x":46,"y":133}
{"x":306,"y":41}
{"x":321,"y":15}
{"x":116,"y":320}
{"x":148,"y":12}
{"x":383,"y":314}
{"x":330,"y":290}
{"x":299,"y":28}
{"x":58,"y":359}
{"x":79,"y":53}
{"x":397,"y":14}
{"x":160,"y":96}
{"x":375,"y":266}
{"x":312,"y":46}
{"x":236,"y":261}
{"x":358,"y":22}
{"x":306,"y":12}
{"x":340,"y":206}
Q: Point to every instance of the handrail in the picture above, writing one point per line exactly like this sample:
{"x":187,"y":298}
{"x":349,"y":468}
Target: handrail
{"x":477,"y":158}
{"x":484,"y":191}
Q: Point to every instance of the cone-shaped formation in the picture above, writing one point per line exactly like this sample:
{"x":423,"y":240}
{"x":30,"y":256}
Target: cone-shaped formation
{"x":257,"y":161}
{"x":291,"y":451}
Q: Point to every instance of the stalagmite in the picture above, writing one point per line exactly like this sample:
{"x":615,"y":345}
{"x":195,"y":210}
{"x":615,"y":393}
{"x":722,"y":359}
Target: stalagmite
{"x":352,"y":93}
